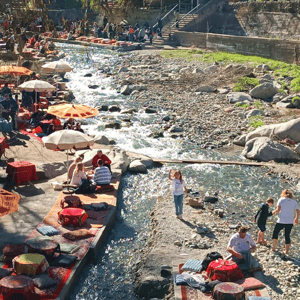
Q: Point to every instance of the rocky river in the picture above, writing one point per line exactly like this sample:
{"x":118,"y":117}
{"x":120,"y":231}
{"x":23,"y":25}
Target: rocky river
{"x":148,"y":105}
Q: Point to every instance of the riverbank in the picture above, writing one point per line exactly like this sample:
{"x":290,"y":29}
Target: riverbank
{"x":208,"y":121}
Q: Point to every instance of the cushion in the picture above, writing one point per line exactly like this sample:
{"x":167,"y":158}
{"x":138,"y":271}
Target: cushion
{"x":78,"y":234}
{"x":47,"y":230}
{"x":100,"y":206}
{"x":258,"y":298}
{"x":93,"y":214}
{"x":68,"y":248}
{"x":193,"y":265}
{"x":44,"y":281}
{"x":5,"y":272}
{"x":250,"y":283}
{"x":64,"y":260}
{"x":10,"y":251}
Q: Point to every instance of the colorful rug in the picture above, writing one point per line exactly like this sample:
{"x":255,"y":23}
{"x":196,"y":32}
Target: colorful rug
{"x":31,"y":134}
{"x":188,"y":293}
{"x":60,"y":274}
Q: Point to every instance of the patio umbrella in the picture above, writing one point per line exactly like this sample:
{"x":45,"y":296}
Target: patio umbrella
{"x":67,"y":139}
{"x":14,"y":70}
{"x":57,"y":66}
{"x":75,"y":111}
{"x":36,"y":86}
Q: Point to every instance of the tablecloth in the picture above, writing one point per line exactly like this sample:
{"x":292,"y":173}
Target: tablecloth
{"x":21,"y":171}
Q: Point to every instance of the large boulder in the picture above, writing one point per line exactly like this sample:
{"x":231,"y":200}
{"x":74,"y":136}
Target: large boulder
{"x":289,"y":129}
{"x":241,"y":97}
{"x":255,"y":113}
{"x":102,"y":139}
{"x":264,"y":91}
{"x":120,"y":161}
{"x":137,"y":167}
{"x":125,"y":90}
{"x":265,"y":149}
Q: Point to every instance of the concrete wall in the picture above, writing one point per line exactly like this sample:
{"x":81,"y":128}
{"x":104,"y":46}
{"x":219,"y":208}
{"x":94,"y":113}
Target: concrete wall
{"x":283,"y":50}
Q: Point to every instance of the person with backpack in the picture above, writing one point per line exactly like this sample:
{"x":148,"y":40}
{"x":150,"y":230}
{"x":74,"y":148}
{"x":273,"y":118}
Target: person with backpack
{"x":179,"y":188}
{"x":261,"y":219}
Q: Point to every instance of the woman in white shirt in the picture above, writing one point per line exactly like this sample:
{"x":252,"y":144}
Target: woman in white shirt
{"x":78,"y":175}
{"x":288,"y":211}
{"x":179,"y":188}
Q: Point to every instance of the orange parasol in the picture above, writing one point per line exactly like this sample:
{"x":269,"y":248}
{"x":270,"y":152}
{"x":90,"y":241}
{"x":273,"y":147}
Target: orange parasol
{"x":14,"y":70}
{"x":75,"y":111}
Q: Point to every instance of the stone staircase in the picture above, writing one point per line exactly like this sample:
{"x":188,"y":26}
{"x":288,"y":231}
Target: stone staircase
{"x":186,"y":23}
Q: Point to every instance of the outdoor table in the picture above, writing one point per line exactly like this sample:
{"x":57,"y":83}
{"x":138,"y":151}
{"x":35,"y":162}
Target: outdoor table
{"x":21,"y":171}
{"x":18,"y":284}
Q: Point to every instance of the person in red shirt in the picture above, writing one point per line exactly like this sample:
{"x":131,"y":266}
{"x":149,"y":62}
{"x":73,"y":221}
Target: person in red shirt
{"x":105,"y":159}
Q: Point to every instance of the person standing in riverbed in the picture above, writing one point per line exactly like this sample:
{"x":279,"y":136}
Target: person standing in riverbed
{"x":288,"y":211}
{"x":261,"y":219}
{"x":179,"y":188}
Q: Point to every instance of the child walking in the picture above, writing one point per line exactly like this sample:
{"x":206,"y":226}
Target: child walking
{"x":261,"y":219}
{"x":179,"y":188}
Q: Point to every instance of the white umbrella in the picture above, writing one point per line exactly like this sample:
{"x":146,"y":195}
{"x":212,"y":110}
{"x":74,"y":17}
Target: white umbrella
{"x":57,"y":66}
{"x":67,"y":139}
{"x":36,"y":86}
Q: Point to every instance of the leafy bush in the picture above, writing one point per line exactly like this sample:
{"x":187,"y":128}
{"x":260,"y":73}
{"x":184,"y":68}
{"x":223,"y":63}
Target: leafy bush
{"x":295,"y":84}
{"x":242,"y":105}
{"x":256,"y":121}
{"x":245,"y":83}
{"x":295,"y":98}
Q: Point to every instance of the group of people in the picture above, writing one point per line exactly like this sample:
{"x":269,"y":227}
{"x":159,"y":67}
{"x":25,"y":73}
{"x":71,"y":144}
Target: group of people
{"x":101,"y":170}
{"x":241,"y":244}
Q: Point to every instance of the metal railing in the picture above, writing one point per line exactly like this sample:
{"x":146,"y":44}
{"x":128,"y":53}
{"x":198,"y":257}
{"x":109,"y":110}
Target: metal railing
{"x":194,"y":10}
{"x":166,"y":15}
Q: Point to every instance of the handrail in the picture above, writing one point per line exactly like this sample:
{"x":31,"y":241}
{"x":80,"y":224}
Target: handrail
{"x":191,"y":12}
{"x":166,"y":15}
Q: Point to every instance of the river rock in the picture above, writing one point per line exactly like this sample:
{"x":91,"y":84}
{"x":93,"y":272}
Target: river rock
{"x":185,"y":70}
{"x":211,"y":69}
{"x":150,"y":110}
{"x":261,"y":68}
{"x":113,"y":124}
{"x":88,"y":75}
{"x":120,"y":161}
{"x":264,"y":91}
{"x":123,"y":69}
{"x":125,"y":90}
{"x":206,"y":89}
{"x":137,"y":167}
{"x":102,"y":139}
{"x":282,"y":104}
{"x":254,"y":113}
{"x":166,"y":118}
{"x":289,"y":129}
{"x":114,"y":108}
{"x":265,"y":149}
{"x":93,"y":86}
{"x":278,"y":97}
{"x":197,"y":71}
{"x":241,"y":140}
{"x":139,"y":88}
{"x":241,"y":97}
{"x":297,"y":148}
{"x":174,"y":128}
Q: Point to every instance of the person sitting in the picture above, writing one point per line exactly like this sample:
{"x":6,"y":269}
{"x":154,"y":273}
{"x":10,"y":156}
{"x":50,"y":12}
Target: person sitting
{"x":78,"y":175}
{"x":78,"y":127}
{"x":69,"y":124}
{"x":56,"y":123}
{"x":241,"y":245}
{"x":102,"y":175}
{"x":103,"y":157}
{"x":72,"y":168}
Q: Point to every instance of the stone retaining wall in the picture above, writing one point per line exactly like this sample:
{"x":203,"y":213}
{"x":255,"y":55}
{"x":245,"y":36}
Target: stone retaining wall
{"x":287,"y":51}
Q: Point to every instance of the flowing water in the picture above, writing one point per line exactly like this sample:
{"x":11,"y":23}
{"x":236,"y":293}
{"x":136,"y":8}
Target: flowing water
{"x":241,"y":189}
